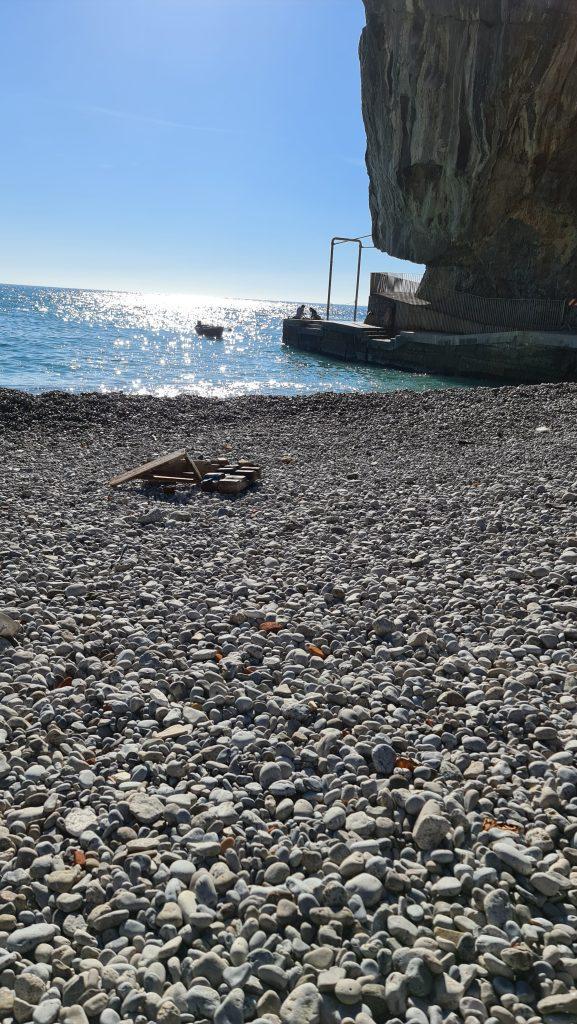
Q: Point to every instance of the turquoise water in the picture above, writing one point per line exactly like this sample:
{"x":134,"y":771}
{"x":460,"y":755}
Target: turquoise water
{"x":81,"y":340}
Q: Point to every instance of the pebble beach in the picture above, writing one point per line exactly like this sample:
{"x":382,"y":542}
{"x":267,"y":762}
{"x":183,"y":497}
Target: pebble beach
{"x":304,"y":756}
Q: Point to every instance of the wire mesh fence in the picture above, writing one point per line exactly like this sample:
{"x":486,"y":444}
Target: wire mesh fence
{"x":462,"y":312}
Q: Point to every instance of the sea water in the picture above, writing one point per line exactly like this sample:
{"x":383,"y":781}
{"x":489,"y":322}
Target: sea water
{"x":72,"y":339}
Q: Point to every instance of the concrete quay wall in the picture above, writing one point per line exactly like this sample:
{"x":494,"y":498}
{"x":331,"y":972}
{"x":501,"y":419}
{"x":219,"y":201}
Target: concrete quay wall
{"x":520,"y":357}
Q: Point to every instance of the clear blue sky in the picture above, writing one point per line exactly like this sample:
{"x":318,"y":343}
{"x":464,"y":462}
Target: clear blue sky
{"x":203,"y":146}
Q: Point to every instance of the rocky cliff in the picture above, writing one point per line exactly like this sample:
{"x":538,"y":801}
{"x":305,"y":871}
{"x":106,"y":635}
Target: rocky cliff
{"x":470,"y":108}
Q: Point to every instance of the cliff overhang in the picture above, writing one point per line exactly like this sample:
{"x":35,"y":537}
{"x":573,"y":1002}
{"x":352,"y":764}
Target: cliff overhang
{"x":470,"y":109}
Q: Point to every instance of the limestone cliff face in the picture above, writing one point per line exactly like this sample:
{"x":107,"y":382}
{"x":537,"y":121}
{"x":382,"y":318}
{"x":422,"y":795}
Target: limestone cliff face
{"x":470,"y":108}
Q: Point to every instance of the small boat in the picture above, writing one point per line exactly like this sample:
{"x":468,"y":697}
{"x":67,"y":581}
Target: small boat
{"x":209,"y":330}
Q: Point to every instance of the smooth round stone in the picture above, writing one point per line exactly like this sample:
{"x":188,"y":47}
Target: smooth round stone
{"x":366,"y":886}
{"x":402,"y":929}
{"x":109,"y":1016}
{"x":415,"y":914}
{"x":514,"y":857}
{"x":236,"y":977}
{"x":361,"y":823}
{"x":79,"y":820}
{"x":145,"y":807}
{"x":348,"y":991}
{"x":414,"y":804}
{"x":287,"y":912}
{"x":384,"y":758}
{"x":446,"y":888}
{"x":334,"y":819}
{"x":276,"y":874}
{"x":24,"y":940}
{"x":270,"y":772}
{"x":303,"y":809}
{"x":183,"y":870}
{"x":242,"y":738}
{"x":302,"y":1005}
{"x":550,"y":883}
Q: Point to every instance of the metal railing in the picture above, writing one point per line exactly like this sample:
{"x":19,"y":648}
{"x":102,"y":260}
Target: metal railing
{"x":337,"y":240}
{"x":465,"y":311}
{"x":388,"y":282}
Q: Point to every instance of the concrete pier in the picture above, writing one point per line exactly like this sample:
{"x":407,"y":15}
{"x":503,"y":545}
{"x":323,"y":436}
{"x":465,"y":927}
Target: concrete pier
{"x":516,"y":357}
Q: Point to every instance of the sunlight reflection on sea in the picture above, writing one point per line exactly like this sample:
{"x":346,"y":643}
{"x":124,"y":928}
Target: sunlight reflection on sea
{"x":82,"y":340}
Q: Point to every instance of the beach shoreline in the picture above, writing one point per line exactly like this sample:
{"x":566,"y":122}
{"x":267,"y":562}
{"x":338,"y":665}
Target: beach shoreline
{"x":365,"y":811}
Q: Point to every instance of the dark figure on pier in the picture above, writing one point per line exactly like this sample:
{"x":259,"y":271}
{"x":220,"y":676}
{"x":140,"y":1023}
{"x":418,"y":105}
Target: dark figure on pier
{"x":299,"y":315}
{"x":314,"y":314}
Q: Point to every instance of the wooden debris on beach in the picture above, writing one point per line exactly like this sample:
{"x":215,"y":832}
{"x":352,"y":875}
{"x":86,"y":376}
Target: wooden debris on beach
{"x":232,"y":483}
{"x":218,"y":474}
{"x":175,"y":464}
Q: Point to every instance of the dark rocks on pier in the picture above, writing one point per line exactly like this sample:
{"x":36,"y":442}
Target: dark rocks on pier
{"x":470,"y":108}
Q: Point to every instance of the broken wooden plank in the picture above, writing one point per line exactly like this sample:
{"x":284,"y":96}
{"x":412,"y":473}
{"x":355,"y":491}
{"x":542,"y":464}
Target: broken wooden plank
{"x":252,"y":473}
{"x":232,"y":484}
{"x":170,"y":479}
{"x":205,"y":466}
{"x":173,"y":463}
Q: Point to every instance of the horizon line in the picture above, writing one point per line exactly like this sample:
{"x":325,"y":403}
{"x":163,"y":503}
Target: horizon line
{"x":191,"y":295}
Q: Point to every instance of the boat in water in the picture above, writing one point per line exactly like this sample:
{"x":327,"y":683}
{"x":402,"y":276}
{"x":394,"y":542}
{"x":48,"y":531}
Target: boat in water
{"x":209,"y":330}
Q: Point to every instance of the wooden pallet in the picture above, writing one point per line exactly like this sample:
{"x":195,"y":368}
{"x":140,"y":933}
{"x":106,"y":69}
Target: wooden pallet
{"x":179,"y":468}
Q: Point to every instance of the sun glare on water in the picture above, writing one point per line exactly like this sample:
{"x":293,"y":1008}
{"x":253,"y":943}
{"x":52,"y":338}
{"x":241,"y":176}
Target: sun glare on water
{"x":146,"y":343}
